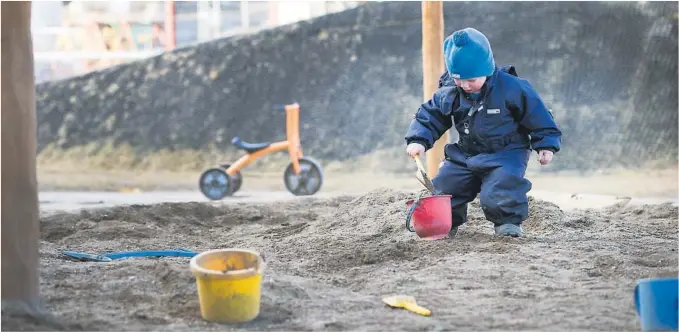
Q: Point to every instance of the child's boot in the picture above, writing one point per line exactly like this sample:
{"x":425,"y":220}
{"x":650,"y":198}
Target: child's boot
{"x":509,"y":230}
{"x":453,"y":231}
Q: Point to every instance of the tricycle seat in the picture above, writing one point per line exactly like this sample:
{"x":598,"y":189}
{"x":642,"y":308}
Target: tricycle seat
{"x":249,"y":147}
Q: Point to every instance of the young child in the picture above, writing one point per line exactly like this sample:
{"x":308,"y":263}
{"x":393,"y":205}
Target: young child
{"x":500,"y":118}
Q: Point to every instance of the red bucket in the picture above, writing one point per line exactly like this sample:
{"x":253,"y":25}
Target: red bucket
{"x":431,"y":217}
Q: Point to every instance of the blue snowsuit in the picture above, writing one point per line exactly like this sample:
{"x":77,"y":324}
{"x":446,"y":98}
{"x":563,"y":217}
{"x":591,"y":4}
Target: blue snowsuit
{"x":497,"y":132}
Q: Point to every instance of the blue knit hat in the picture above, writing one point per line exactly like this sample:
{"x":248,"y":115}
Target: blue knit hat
{"x":468,"y":54}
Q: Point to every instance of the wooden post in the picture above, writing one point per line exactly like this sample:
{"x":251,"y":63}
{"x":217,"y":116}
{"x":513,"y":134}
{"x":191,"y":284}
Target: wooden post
{"x":272,"y":14}
{"x":432,"y":68}
{"x":20,"y":225}
{"x":170,"y":26}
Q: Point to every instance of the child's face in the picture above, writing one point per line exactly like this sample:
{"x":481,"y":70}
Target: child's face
{"x":471,"y":85}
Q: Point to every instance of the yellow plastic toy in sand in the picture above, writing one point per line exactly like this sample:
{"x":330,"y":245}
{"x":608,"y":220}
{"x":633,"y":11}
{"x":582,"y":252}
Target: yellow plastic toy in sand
{"x":229,"y":284}
{"x":406,"y":302}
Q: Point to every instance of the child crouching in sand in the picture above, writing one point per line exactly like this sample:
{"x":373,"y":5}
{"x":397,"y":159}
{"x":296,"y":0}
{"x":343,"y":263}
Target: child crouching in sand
{"x":500,"y":118}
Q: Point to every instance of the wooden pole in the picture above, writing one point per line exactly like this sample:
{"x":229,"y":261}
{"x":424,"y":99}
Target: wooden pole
{"x":170,"y":28}
{"x":432,"y":68}
{"x":20,"y":227}
{"x":273,"y":13}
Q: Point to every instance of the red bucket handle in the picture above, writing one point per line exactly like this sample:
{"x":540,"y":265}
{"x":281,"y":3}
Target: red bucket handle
{"x":411,"y":210}
{"x":409,"y":216}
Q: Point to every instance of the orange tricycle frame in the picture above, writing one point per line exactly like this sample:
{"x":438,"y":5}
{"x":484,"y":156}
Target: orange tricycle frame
{"x":292,"y":144}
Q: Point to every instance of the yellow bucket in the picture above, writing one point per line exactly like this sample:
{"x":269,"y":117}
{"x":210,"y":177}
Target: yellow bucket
{"x":229,"y":284}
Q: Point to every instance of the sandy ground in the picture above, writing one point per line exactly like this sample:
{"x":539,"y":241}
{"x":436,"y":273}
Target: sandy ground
{"x":635,"y":183}
{"x":72,"y":191}
{"x":60,"y":201}
{"x":330,"y":260}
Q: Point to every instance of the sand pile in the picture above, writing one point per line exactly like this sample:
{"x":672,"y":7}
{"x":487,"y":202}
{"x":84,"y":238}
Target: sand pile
{"x":331,"y":260}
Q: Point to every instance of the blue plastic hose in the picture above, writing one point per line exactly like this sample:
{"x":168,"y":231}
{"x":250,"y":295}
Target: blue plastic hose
{"x":126,"y":254}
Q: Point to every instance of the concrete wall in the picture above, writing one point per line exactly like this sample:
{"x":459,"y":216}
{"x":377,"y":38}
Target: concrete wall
{"x":608,"y":70}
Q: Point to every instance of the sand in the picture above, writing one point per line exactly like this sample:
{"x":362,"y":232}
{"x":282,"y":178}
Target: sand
{"x":343,"y":178}
{"x":331,"y":260}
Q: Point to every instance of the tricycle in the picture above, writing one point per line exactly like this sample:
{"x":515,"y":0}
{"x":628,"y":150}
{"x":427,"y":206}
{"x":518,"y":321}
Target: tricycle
{"x":302,"y":177}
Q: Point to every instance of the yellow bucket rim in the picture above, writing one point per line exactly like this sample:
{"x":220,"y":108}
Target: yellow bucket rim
{"x":237,"y":274}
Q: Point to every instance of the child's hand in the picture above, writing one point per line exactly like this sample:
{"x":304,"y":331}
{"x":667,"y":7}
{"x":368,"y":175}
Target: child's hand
{"x":415,"y":149}
{"x":546,"y":156}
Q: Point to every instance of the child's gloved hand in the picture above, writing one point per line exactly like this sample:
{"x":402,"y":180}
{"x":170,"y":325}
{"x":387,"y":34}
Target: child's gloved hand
{"x":545,"y":156}
{"x":415,"y":149}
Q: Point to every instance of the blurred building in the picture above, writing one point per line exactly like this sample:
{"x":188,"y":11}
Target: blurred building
{"x":75,"y":37}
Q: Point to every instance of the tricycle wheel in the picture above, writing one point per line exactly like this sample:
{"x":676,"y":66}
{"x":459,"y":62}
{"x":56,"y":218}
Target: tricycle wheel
{"x":309,"y":180}
{"x":215,"y":184}
{"x":236,"y":179}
